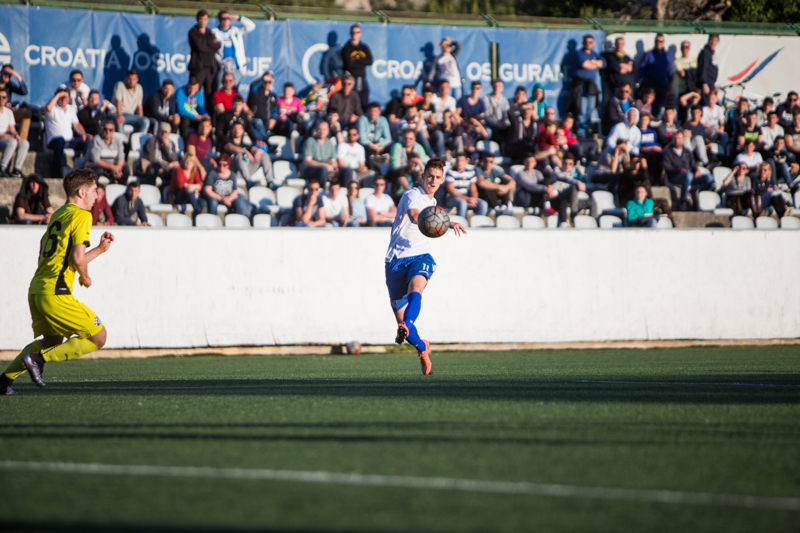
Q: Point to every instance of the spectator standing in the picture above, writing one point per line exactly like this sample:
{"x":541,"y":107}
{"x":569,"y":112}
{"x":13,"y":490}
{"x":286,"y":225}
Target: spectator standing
{"x":190,"y":102}
{"x":32,"y":203}
{"x":161,"y":106}
{"x":319,"y":156}
{"x":616,"y":107}
{"x":263,"y":103}
{"x":158,"y":156}
{"x":78,"y":91}
{"x":374,"y":133}
{"x":739,"y":194}
{"x":640,"y":210}
{"x":461,"y":186}
{"x":713,"y":120}
{"x":497,"y":108}
{"x":101,"y":211}
{"x":522,"y":134}
{"x":186,"y":185}
{"x":787,"y":108}
{"x":60,"y":126}
{"x":94,"y":114}
{"x":247,"y":160}
{"x":10,"y":141}
{"x":681,"y":169}
{"x":686,"y":69}
{"x":656,"y":71}
{"x":337,"y":208}
{"x":14,"y":84}
{"x":203,"y":64}
{"x":308,"y":209}
{"x":106,"y":156}
{"x":357,"y":208}
{"x":667,"y":128}
{"x":356,"y":57}
{"x":495,"y":187}
{"x":346,"y":102}
{"x":128,"y":96}
{"x":619,"y":69}
{"x":380,"y":206}
{"x":586,"y":84}
{"x":220,"y":188}
{"x":128,"y":209}
{"x":708,"y":68}
{"x":445,"y":66}
{"x":199,"y":145}
{"x":230,"y":56}
{"x":351,"y":157}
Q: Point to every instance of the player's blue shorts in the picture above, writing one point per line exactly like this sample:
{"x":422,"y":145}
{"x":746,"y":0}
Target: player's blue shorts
{"x":399,"y":273}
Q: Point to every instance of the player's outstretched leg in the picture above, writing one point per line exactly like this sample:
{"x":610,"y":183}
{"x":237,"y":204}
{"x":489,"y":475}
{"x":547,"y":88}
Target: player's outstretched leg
{"x":17,"y":368}
{"x":410,"y":316}
{"x":72,"y":349}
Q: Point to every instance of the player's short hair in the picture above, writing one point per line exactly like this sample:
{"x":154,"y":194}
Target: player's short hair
{"x":434,"y":163}
{"x":78,"y":179}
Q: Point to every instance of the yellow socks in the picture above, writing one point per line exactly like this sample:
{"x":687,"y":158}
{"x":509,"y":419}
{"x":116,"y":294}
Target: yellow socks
{"x":72,"y":349}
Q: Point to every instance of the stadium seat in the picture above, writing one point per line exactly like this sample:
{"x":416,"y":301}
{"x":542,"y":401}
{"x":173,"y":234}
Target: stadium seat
{"x":121,"y":137}
{"x":720,"y":173}
{"x":610,"y":221}
{"x":102,"y":180}
{"x":127,"y":128}
{"x":481,"y":221}
{"x":154,"y":220}
{"x":151,"y":198}
{"x":796,"y":202}
{"x":766,"y":223}
{"x":710,"y":202}
{"x":256,"y":178}
{"x":178,"y":220}
{"x":790,"y":223}
{"x":177,"y":143}
{"x":740,"y":222}
{"x":285,"y":196}
{"x":664,"y":223}
{"x":283,"y":148}
{"x":137,"y":141}
{"x":585,"y":222}
{"x":207,"y":220}
{"x":363,"y":192}
{"x":114,"y":191}
{"x":505,"y":221}
{"x":606,"y":204}
{"x":531,"y":222}
{"x":296,"y":183}
{"x":463,"y":221}
{"x":551,"y":222}
{"x":493,"y":148}
{"x":234,"y":220}
{"x":262,"y":220}
{"x":514,"y":169}
{"x":282,"y":171}
{"x":264,"y":199}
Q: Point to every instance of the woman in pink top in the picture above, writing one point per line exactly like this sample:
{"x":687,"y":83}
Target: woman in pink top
{"x":290,"y":111}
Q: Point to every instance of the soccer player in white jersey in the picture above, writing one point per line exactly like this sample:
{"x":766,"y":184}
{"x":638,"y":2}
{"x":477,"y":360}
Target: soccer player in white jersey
{"x":409,"y":266}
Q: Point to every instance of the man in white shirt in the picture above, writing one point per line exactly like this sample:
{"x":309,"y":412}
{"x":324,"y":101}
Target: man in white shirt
{"x":78,"y":90}
{"x":128,"y":97}
{"x":10,"y":141}
{"x":714,"y":121}
{"x":771,"y":131}
{"x":408,"y":262}
{"x":442,"y":102}
{"x":60,"y":126}
{"x":352,"y":158}
{"x":380,"y":206}
{"x":337,"y":208}
{"x":230,"y":56}
{"x":627,"y":131}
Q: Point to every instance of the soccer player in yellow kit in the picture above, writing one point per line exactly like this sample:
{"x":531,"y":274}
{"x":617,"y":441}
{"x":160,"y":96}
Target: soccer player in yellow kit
{"x":54,"y":311}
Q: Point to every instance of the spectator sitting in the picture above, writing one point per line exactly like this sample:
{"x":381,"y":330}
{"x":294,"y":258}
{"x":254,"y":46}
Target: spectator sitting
{"x":616,"y":107}
{"x":584,"y":151}
{"x":739,"y":194}
{"x":443,"y":135}
{"x":767,"y":193}
{"x":32,"y":203}
{"x":770,"y":132}
{"x":247,"y":160}
{"x":290,"y":111}
{"x":308,"y":209}
{"x":520,"y":99}
{"x":220,"y":187}
{"x":787,"y":109}
{"x":106,"y":157}
{"x":650,"y":149}
{"x":656,"y":71}
{"x":666,"y":130}
{"x":645,"y":104}
{"x":682,"y":170}
{"x":619,"y":70}
{"x":200,"y":146}
{"x":530,"y":184}
{"x":695,"y":134}
{"x":547,"y":146}
{"x":401,"y":172}
{"x":373,"y":131}
{"x":128,"y":96}
{"x":337,"y":208}
{"x":13,"y":82}
{"x":792,"y":137}
{"x":627,"y":131}
{"x":319,"y":156}
{"x":191,"y":107}
{"x":586,"y":84}
{"x":472,"y":104}
{"x":161,"y":106}
{"x":352,"y":158}
{"x":94,"y":113}
{"x":778,"y":159}
{"x":397,"y":106}
{"x":334,"y":127}
{"x":442,"y":102}
{"x":570,"y":175}
{"x":186,"y":184}
{"x":78,"y":91}
{"x":634,"y":173}
{"x":640,"y":210}
{"x":158,"y":156}
{"x":101,"y":211}
{"x":356,"y":206}
{"x":59,"y":124}
{"x":497,"y":108}
{"x":129,"y":209}
{"x":687,"y":102}
{"x":522,"y":134}
{"x":495,"y":187}
{"x":763,"y":112}
{"x":736,"y":118}
{"x":611,"y":164}
{"x":10,"y":141}
{"x":713,"y":121}
{"x":223,"y":98}
{"x":414,"y":122}
{"x":561,"y":194}
{"x":751,"y":158}
{"x":462,"y":190}
{"x":237,"y":113}
{"x":263,"y":103}
{"x":380,"y":206}
{"x":346,"y":102}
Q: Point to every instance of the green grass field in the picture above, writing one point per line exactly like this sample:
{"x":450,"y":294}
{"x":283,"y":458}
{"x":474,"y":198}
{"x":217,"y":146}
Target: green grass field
{"x":705,"y":420}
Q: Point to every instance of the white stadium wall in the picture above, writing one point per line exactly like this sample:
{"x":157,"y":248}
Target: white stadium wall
{"x":175,"y":288}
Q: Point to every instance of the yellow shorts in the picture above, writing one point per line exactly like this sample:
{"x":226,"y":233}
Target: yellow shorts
{"x":62,"y":315}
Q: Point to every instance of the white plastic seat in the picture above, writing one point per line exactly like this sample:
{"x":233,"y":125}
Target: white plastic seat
{"x":296,"y":183}
{"x":282,"y":171}
{"x":178,"y":220}
{"x":234,"y":220}
{"x":363,"y":192}
{"x":514,"y":170}
{"x":585,"y":222}
{"x":154,"y":220}
{"x":262,"y":220}
{"x":790,"y":223}
{"x":493,"y":148}
{"x":207,"y":220}
{"x":610,"y":221}
{"x":606,"y":204}
{"x":664,"y":223}
{"x":286,"y":195}
{"x":797,"y":199}
{"x":710,"y":202}
{"x":481,"y":221}
{"x":114,"y":191}
{"x":127,"y":128}
{"x":151,"y":198}
{"x":552,"y":222}
{"x":740,"y":222}
{"x":532,"y":222}
{"x":505,"y":221}
{"x":137,"y":141}
{"x":283,"y":148}
{"x":720,"y":173}
{"x":177,"y":143}
{"x":766,"y":223}
{"x":463,"y":221}
{"x":264,"y":199}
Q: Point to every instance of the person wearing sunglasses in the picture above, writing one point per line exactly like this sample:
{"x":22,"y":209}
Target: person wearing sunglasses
{"x":616,"y":107}
{"x":230,"y":56}
{"x":657,"y":72}
{"x":14,"y":84}
{"x":106,"y":155}
{"x":787,"y":108}
{"x":685,"y":68}
{"x":78,"y":90}
{"x":10,"y":141}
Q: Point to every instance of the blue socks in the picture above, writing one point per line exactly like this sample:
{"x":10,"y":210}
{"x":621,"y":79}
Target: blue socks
{"x":409,"y":316}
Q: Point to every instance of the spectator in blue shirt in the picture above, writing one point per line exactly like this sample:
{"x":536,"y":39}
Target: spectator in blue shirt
{"x":374,"y":132}
{"x":640,"y":210}
{"x":191,"y":105}
{"x":586,"y":83}
{"x":656,"y":70}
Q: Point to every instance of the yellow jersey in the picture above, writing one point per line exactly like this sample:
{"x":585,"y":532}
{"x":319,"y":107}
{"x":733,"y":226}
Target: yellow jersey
{"x":69,"y":227}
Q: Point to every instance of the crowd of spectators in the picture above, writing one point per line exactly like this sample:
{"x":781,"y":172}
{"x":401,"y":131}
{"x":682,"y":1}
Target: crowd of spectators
{"x":631,"y":125}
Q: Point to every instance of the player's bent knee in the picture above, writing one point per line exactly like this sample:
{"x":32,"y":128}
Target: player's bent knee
{"x":99,"y":339}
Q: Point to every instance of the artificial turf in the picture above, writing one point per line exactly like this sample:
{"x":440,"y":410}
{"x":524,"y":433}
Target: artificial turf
{"x":715,"y":420}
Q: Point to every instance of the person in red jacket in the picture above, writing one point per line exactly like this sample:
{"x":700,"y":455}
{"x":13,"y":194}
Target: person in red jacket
{"x":101,"y":211}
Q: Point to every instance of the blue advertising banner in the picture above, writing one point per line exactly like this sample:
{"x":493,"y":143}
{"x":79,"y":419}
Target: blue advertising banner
{"x":45,"y":44}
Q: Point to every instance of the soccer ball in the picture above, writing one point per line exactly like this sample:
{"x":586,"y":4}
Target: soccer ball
{"x":433,"y":221}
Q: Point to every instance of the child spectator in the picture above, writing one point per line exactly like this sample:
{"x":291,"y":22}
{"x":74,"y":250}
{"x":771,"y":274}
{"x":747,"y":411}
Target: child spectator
{"x":101,"y":211}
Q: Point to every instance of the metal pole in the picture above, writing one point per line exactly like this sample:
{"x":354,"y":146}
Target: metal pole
{"x":494,"y":59}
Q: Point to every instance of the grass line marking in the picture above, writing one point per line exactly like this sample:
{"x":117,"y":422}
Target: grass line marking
{"x":465,"y":485}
